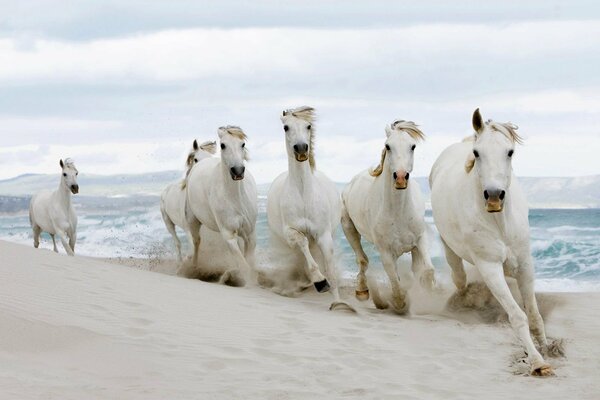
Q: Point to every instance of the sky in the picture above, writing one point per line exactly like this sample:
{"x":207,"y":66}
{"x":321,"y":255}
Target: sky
{"x":126,"y":86}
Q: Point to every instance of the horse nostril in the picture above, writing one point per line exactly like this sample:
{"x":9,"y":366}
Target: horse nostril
{"x":502,"y":194}
{"x":406,"y":176}
{"x":296,"y":148}
{"x":486,"y":195}
{"x":395,"y":176}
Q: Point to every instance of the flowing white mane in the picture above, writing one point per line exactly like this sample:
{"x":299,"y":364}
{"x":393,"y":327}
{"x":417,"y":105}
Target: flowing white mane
{"x":409,"y":127}
{"x":508,"y":129}
{"x":235,"y":131}
{"x":307,"y":114}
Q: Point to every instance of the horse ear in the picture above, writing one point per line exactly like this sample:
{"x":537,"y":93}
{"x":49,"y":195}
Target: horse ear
{"x":62,"y":165}
{"x":195,"y":145}
{"x":477,"y":121}
{"x":388,"y":131}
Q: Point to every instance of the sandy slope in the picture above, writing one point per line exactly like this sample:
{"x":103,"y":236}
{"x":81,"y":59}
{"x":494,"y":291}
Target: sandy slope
{"x":76,"y":328}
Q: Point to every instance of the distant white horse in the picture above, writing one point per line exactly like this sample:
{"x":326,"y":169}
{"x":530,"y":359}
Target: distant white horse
{"x":173,"y":198}
{"x":481,"y":214}
{"x":386,"y":208}
{"x":303,"y":205}
{"x":52,"y":212}
{"x":221,"y":195}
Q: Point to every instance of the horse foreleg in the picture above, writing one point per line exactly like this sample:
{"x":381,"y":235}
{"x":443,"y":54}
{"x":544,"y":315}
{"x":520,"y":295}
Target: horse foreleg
{"x":459,"y":277}
{"x":194,"y":226}
{"x":73,"y":240}
{"x":362,"y":289}
{"x":493,"y":275}
{"x":233,"y":242}
{"x":54,"y":243}
{"x":63,"y":239}
{"x":399,"y":300}
{"x":526,"y":287}
{"x":325,"y":243}
{"x":36,"y":236}
{"x":421,"y":264}
{"x":295,"y":239}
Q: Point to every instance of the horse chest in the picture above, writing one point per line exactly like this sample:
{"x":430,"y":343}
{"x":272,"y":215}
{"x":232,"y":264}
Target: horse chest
{"x":305,"y":213}
{"x":398,"y":235}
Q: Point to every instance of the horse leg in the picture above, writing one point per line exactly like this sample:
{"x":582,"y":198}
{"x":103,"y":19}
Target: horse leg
{"x":458,"y":270}
{"x":194,"y":226}
{"x":325,"y":243}
{"x":73,"y":240}
{"x":296,"y":239}
{"x":249,"y":249}
{"x":54,"y":242}
{"x":63,"y":239}
{"x":525,"y":282}
{"x":493,"y":275}
{"x":421,"y":264}
{"x":171,"y":228}
{"x":233,"y":242}
{"x":399,"y":300}
{"x":362,"y":289}
{"x":36,"y":236}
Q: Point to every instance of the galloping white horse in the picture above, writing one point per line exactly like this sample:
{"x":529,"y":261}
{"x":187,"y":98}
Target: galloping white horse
{"x":303,"y":205}
{"x":386,"y":208}
{"x":222,"y":196}
{"x":52,"y":212}
{"x":172,"y":199}
{"x":481,"y":214}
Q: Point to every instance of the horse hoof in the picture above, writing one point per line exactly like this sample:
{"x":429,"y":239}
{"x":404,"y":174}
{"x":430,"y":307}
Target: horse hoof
{"x":543,"y":370}
{"x":322,"y":286}
{"x":340,"y":305}
{"x":362,"y":295}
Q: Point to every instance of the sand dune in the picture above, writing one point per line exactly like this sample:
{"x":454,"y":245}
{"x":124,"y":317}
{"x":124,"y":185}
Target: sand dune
{"x":78,"y":328}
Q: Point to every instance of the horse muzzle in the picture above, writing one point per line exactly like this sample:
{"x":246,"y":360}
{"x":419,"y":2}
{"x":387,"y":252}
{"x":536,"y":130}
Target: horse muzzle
{"x":401,"y":179}
{"x":74,"y":189}
{"x":494,"y":200}
{"x":237,"y":173}
{"x":301,"y":151}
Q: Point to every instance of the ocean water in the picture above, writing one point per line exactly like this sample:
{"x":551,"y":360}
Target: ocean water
{"x":565,"y":243}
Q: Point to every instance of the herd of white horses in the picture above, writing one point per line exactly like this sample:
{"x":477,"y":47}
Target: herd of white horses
{"x":478,"y":208}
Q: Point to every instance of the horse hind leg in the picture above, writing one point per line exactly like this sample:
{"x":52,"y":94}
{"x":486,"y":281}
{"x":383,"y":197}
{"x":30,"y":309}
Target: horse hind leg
{"x":171,"y":228}
{"x":37,"y":231}
{"x":362,"y":288}
{"x":459,"y":277}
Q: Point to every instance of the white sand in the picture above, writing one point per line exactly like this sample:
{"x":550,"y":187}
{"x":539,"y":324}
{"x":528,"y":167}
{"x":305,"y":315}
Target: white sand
{"x":77,"y":328}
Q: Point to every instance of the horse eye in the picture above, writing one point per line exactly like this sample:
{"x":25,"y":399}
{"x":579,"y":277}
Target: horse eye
{"x":510,"y":153}
{"x":243,"y":145}
{"x":475,"y":153}
{"x":76,"y":173}
{"x":64,"y":174}
{"x":222,"y":146}
{"x":308,"y":127}
{"x":286,"y":128}
{"x":387,"y":147}
{"x":413,"y":147}
{"x":195,"y":160}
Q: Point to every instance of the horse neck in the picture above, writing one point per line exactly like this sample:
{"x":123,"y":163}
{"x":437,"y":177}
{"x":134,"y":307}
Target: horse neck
{"x":394,"y":200}
{"x":300,"y":174}
{"x":63,"y":194}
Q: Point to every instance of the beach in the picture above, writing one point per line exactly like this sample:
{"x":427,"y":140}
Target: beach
{"x":79,"y":327}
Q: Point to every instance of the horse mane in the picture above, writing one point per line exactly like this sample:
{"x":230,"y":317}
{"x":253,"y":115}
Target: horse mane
{"x":234,"y":131}
{"x":306,"y":113}
{"x":379,"y":169}
{"x":508,"y":129}
{"x":409,"y":127}
{"x":69,"y":162}
{"x":399,"y":125}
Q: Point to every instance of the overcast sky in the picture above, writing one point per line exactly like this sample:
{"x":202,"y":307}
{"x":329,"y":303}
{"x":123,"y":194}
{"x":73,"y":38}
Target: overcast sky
{"x":125,"y":86}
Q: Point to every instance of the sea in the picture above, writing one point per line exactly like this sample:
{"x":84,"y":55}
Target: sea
{"x":565,"y":243}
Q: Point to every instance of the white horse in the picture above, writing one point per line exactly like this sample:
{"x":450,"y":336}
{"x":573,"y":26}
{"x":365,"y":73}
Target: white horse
{"x":172,"y":199}
{"x":303,"y":205}
{"x":222,"y":196}
{"x":386,"y":208}
{"x":52,"y":212}
{"x":481,"y":214}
